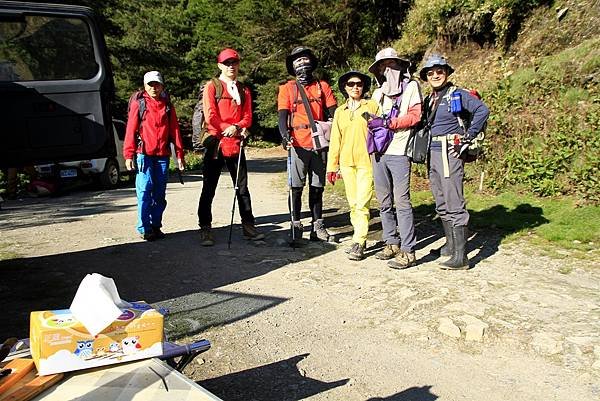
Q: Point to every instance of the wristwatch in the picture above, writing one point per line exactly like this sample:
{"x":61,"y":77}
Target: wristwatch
{"x":237,"y":127}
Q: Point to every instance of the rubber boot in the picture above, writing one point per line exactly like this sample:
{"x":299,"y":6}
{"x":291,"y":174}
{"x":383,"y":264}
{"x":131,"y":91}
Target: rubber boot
{"x":459,"y":260}
{"x":447,"y":248}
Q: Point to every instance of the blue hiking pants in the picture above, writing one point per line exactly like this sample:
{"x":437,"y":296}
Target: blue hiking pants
{"x":151,"y":187}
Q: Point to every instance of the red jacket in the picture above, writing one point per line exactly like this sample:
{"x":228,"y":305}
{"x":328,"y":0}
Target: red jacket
{"x":226,"y":112}
{"x":157,"y":131}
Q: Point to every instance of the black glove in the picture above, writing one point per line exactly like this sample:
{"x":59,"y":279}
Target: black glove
{"x":286,"y":142}
{"x":459,"y":146}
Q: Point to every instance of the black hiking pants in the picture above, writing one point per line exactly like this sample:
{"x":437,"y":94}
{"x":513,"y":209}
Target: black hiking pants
{"x":211,"y":170}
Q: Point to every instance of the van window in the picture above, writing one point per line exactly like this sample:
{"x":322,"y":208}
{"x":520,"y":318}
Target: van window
{"x":45,"y":48}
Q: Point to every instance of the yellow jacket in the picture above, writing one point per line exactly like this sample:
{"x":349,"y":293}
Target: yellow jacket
{"x":348,"y":142}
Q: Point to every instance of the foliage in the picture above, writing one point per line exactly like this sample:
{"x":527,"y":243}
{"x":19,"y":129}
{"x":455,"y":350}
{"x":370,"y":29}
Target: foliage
{"x":561,"y":158}
{"x":457,"y":21}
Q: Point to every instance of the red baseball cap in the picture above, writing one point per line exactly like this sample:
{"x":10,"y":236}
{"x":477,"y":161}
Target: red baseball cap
{"x":227,"y":54}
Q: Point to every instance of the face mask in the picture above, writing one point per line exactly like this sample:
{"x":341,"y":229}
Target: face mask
{"x":303,"y":70}
{"x":393,"y":82}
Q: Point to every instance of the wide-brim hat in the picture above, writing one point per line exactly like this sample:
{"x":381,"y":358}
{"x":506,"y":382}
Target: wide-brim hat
{"x":299,"y":52}
{"x":366,"y":80}
{"x":432,"y":61}
{"x":386,"y":54}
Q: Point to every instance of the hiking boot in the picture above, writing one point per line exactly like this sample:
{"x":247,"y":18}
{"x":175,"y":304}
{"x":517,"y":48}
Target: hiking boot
{"x":298,"y":229}
{"x":158,"y":234}
{"x":388,"y":252}
{"x":403,"y":260}
{"x":250,"y":232}
{"x":206,"y":237}
{"x":148,"y":236}
{"x":357,"y":252}
{"x":318,"y":231}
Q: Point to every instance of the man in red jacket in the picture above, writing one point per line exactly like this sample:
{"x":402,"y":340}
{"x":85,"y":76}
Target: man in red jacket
{"x":151,"y":128}
{"x":227,"y":119}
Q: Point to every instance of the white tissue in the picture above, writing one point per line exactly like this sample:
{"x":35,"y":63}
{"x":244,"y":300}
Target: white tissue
{"x":97,"y":303}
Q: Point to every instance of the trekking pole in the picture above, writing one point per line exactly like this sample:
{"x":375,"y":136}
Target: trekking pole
{"x":235,"y":190}
{"x":291,"y":201}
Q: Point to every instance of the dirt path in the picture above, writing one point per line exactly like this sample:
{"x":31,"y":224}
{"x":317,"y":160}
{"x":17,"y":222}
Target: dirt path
{"x":307,"y":323}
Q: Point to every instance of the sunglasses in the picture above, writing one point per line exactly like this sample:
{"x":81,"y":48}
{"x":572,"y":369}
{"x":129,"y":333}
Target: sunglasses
{"x":352,"y":84}
{"x":230,"y":62}
{"x":438,"y":71}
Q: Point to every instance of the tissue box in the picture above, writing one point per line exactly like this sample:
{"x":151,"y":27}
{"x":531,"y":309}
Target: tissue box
{"x":60,"y":343}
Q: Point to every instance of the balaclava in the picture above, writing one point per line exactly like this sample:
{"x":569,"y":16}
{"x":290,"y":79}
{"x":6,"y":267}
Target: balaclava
{"x":303,"y":69}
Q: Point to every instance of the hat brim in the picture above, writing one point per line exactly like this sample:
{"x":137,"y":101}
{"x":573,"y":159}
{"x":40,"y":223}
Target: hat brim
{"x":423,"y":72}
{"x":373,"y":69}
{"x":363,"y":77}
{"x":289,"y":60}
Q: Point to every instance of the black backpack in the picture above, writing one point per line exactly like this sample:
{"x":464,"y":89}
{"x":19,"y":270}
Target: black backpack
{"x":199,"y":128}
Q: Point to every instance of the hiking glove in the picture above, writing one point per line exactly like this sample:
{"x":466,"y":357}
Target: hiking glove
{"x":286,"y":142}
{"x":377,"y":122}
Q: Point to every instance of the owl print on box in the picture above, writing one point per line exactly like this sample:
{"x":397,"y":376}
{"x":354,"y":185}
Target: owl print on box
{"x":130,"y":345}
{"x":84,"y":349}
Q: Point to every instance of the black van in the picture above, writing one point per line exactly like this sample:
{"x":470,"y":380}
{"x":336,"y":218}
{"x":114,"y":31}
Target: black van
{"x":56,"y":85}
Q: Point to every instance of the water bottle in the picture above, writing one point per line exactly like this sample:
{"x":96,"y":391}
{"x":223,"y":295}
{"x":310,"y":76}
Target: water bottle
{"x":455,"y":103}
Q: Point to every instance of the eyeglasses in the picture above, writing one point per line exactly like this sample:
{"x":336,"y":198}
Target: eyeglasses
{"x":230,"y":62}
{"x":438,"y":71}
{"x":352,"y":84}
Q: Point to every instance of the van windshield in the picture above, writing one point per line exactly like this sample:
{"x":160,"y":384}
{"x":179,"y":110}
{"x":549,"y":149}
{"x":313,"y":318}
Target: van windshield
{"x":45,"y":48}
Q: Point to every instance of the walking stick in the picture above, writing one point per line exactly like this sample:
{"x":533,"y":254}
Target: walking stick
{"x":235,"y":190}
{"x":291,"y":201}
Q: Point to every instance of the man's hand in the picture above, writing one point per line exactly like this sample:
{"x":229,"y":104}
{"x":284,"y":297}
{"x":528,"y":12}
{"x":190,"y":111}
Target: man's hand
{"x":180,"y":164}
{"x":459,"y":145}
{"x":376,"y":122}
{"x":332,"y":177}
{"x":286,"y":142}
{"x":129,"y":164}
{"x":230,"y":131}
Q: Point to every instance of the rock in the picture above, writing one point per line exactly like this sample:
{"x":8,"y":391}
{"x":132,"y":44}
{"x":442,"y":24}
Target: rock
{"x":475,"y":331}
{"x":547,"y":343}
{"x":448,"y":328}
{"x":475,"y":328}
{"x":582,"y":345}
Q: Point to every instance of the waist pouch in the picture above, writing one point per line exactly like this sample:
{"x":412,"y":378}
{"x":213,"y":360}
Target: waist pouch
{"x":230,"y":146}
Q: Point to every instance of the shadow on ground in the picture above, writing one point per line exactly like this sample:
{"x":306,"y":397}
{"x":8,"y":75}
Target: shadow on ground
{"x":285,"y":380}
{"x":411,"y":394}
{"x":488,"y":228}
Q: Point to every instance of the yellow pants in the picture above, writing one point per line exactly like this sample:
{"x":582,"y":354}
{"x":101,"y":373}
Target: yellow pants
{"x":358,"y":182}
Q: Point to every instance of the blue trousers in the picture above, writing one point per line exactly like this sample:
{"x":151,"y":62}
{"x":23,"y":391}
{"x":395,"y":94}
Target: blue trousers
{"x":150,"y":187}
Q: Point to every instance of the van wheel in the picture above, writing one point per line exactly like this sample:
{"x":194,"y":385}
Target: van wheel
{"x":109,"y":178}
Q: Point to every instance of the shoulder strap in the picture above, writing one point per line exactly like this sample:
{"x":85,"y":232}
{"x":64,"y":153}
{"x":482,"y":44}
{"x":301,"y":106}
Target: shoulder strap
{"x":218,"y":88}
{"x":141,"y":108}
{"x":309,"y":114}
